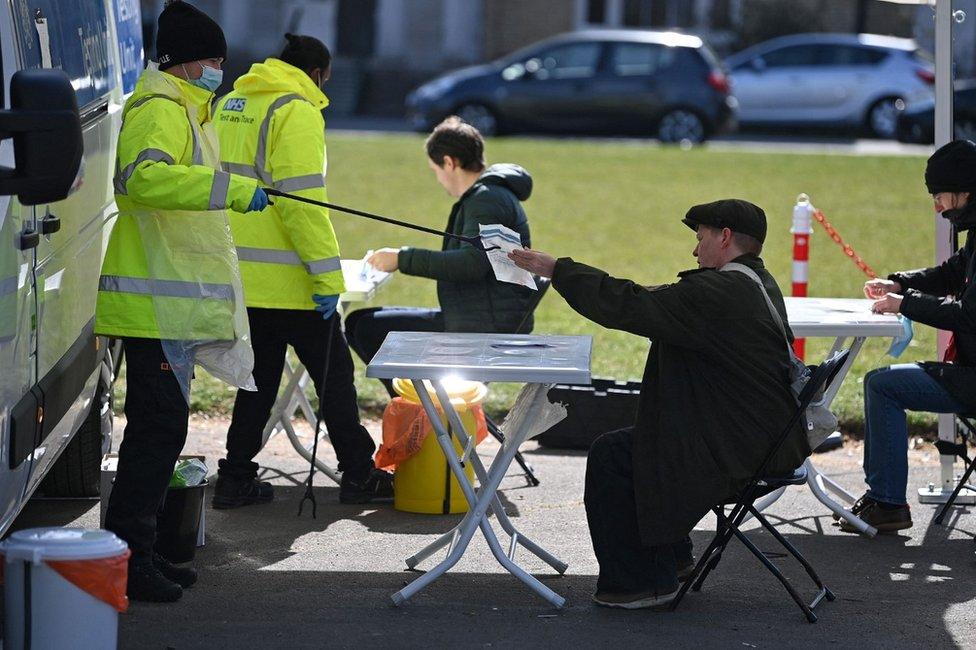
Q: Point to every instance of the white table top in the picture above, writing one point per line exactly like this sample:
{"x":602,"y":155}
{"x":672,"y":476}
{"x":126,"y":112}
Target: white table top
{"x":484,"y":357}
{"x":360,"y":288}
{"x":839,"y":317}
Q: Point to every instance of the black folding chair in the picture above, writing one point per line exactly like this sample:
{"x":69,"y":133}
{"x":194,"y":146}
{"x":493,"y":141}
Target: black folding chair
{"x":760,"y":485}
{"x":967,"y":435}
{"x":542,"y":285}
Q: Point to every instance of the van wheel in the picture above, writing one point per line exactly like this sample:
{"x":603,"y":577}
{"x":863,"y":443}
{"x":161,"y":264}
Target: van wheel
{"x":77,"y":472}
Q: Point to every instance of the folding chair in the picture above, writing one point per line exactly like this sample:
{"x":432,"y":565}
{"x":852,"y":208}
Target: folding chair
{"x":967,"y":434}
{"x":542,"y":285}
{"x":760,"y":485}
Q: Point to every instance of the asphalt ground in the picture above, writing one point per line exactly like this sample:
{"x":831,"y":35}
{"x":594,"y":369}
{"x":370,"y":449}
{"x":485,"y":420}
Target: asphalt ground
{"x":272,"y":580}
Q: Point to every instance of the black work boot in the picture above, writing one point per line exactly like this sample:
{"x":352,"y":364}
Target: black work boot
{"x":377,"y":487}
{"x":231,"y":492}
{"x":147,"y":584}
{"x":183,"y":576}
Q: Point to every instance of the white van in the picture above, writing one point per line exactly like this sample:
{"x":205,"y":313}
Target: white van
{"x":56,"y":212}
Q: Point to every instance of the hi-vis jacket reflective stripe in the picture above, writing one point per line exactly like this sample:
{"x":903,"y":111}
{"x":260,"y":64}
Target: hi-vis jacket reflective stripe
{"x":168,"y":272}
{"x":271,"y":129}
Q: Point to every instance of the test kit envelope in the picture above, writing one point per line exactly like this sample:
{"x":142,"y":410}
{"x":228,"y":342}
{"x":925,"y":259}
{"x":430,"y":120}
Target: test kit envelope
{"x":506,"y":241}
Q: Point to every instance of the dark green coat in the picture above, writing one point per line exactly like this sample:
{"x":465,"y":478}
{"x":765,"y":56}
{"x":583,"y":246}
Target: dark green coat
{"x":470,"y":297}
{"x":715,"y":392}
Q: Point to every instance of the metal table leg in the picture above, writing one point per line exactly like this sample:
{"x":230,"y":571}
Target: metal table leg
{"x":820,"y":484}
{"x":479,"y":504}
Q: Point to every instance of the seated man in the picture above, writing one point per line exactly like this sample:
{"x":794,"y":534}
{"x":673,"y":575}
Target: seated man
{"x":941,"y":297}
{"x":714,"y":399}
{"x":470,"y":298}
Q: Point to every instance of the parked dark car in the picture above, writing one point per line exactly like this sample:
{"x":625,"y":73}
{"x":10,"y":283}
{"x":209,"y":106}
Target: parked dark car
{"x":664,"y":84}
{"x":917,"y":122}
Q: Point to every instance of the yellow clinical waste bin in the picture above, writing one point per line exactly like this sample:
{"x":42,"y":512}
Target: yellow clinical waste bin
{"x":423,"y":482}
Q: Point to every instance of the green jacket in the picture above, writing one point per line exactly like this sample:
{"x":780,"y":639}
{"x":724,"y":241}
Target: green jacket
{"x":715,"y":394}
{"x":470,"y":297}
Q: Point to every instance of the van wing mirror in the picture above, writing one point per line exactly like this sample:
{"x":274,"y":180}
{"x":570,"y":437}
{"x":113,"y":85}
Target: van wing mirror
{"x":46,"y":129}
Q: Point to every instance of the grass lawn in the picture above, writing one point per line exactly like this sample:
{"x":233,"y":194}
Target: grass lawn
{"x":618,"y":205}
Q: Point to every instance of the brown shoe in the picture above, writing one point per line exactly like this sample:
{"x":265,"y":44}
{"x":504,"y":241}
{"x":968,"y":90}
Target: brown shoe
{"x":886,"y":519}
{"x":640,"y":600}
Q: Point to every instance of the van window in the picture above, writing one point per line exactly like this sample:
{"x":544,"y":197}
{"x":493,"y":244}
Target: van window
{"x":639,"y":59}
{"x":72,"y":35}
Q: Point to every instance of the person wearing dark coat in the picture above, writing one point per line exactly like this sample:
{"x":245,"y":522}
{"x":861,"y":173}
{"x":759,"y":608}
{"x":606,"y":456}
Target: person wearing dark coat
{"x":943,"y":297}
{"x":714,"y":399}
{"x":470,"y":298}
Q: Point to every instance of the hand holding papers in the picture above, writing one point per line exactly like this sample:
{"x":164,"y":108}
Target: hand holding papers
{"x":498,"y":242}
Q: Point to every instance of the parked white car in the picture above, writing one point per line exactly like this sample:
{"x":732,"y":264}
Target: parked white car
{"x":842,"y":80}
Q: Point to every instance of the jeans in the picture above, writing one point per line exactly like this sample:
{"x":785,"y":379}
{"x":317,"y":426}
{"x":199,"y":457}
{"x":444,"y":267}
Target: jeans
{"x":888,"y":393}
{"x":156,"y":424}
{"x":626,"y":565}
{"x":272,"y":331}
{"x":366,"y":329}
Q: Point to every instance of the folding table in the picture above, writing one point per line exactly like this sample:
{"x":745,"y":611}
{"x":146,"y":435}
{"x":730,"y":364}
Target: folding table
{"x":362,"y":283}
{"x":431,"y":358}
{"x":842,"y":318}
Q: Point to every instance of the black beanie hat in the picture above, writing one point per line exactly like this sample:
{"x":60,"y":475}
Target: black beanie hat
{"x":952,"y":168}
{"x":185,"y":34}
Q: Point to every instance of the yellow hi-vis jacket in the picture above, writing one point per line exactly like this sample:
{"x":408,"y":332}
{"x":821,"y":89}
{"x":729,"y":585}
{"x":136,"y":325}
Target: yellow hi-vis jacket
{"x":271,"y":128}
{"x":170,"y":270}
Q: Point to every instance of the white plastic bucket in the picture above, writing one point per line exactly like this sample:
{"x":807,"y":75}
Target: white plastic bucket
{"x":44,"y":610}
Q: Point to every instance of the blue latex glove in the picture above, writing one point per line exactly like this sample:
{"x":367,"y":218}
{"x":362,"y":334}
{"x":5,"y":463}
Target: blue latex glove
{"x":325,"y":305}
{"x":259,"y":201}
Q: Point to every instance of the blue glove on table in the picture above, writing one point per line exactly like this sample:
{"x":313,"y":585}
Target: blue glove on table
{"x":325,"y":305}
{"x":259,"y":201}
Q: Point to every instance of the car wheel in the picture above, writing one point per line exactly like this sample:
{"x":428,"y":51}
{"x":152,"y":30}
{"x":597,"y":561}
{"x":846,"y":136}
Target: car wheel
{"x":681,"y":125}
{"x":882,"y":120}
{"x":480,"y":117}
{"x":965,"y":129}
{"x":78,"y":471}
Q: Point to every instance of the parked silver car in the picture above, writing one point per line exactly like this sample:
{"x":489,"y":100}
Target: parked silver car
{"x":843,"y":80}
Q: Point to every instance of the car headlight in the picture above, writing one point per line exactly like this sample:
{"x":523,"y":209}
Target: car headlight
{"x":435,"y":88}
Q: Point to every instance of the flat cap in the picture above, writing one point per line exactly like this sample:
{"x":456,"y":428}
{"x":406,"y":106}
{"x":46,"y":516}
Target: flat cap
{"x":735,"y":214}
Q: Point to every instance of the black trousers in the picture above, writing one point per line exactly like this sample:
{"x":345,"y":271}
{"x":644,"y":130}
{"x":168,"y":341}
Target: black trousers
{"x":155,"y":431}
{"x":272,"y":331}
{"x":626,"y":565}
{"x":366,"y":329}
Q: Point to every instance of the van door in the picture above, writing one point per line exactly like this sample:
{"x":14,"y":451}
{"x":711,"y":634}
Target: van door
{"x":72,"y":35}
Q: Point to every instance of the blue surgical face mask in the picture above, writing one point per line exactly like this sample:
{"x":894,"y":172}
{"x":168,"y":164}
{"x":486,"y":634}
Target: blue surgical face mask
{"x":210,"y":79}
{"x":900,"y":342}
